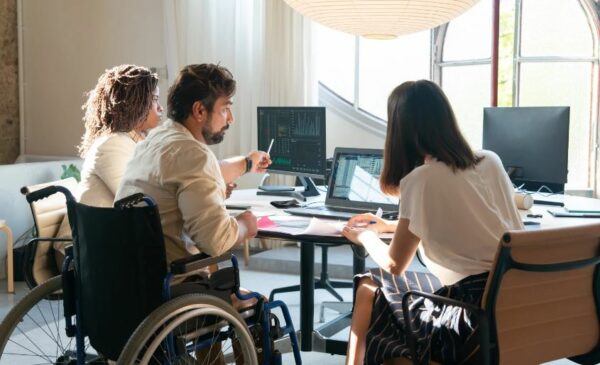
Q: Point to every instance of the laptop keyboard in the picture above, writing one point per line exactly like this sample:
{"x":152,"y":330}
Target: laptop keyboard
{"x":319,"y":212}
{"x":328,"y":212}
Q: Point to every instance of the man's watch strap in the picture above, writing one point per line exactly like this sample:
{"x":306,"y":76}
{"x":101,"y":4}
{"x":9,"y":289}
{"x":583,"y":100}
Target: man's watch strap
{"x":248,"y":164}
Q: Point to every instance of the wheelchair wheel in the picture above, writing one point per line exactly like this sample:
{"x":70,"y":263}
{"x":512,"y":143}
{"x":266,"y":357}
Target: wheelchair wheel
{"x":191,"y":329}
{"x":33,"y":332}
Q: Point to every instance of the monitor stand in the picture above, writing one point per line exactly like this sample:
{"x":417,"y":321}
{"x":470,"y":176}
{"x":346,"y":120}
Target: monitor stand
{"x":310,"y":190}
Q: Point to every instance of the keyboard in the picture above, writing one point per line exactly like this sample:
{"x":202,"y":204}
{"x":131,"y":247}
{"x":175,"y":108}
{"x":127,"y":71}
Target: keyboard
{"x":331,"y":213}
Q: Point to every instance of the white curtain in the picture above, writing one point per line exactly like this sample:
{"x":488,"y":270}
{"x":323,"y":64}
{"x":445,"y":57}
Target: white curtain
{"x":264,"y":43}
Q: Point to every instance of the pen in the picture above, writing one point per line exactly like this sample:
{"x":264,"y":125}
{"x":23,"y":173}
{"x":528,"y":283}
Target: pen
{"x":378,"y":214}
{"x":270,"y":145}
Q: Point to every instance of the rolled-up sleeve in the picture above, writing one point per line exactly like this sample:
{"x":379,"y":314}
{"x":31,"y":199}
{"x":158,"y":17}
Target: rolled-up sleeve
{"x":200,"y":197}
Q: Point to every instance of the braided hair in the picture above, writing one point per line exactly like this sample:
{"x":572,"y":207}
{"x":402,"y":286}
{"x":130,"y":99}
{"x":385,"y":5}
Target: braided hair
{"x":120,"y":102}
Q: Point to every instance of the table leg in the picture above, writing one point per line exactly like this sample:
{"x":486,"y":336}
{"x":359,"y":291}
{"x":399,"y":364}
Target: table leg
{"x":10,"y":284}
{"x":307,"y":294}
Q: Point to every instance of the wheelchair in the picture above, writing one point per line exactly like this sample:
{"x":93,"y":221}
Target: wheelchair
{"x":117,"y":299}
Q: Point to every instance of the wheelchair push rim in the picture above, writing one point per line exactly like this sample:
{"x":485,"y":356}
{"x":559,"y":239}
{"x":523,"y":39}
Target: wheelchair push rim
{"x":155,"y":334}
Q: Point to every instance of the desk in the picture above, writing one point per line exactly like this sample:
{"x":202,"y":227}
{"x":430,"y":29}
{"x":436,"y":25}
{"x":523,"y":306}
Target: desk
{"x":549,"y":221}
{"x":312,"y":339}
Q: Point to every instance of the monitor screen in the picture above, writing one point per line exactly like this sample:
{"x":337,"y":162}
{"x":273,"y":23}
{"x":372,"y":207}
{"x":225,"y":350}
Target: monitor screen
{"x":298,"y":135}
{"x":355,"y":178}
{"x":532,"y":143}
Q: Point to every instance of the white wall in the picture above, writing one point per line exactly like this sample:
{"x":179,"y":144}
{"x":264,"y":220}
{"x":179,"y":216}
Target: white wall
{"x":67,"y":44}
{"x":342,"y":133}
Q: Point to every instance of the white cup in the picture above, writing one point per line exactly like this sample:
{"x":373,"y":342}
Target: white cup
{"x":523,"y":201}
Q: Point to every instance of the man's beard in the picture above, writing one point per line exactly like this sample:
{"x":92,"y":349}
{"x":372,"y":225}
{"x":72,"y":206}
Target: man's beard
{"x":210,"y":137}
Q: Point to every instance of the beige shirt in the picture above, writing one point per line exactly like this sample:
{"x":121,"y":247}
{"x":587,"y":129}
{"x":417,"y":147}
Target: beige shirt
{"x":104,"y":167}
{"x":183,"y":177}
{"x":459,"y":216}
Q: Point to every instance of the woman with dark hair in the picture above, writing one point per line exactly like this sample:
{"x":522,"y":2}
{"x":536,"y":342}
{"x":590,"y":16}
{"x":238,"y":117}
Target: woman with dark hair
{"x":118,"y":112}
{"x":455,"y":205}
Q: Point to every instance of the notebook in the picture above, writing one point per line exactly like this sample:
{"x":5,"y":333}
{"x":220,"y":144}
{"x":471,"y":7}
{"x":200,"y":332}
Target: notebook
{"x":353,"y":187}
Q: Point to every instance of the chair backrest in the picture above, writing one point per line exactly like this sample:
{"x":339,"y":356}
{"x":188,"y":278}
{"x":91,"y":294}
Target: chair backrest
{"x":120,"y":264}
{"x":48,"y":214}
{"x":543,"y":295}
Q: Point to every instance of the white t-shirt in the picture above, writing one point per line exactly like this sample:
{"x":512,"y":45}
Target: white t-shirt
{"x":459,"y":216}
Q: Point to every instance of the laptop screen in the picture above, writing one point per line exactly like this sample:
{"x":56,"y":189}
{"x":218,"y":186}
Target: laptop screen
{"x":354,"y":180}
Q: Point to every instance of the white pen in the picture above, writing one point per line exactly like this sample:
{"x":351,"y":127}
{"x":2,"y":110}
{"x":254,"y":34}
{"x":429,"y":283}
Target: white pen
{"x":270,"y":145}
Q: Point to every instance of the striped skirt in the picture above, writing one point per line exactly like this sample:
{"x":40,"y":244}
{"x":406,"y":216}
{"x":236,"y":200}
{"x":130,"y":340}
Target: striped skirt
{"x":442,"y":331}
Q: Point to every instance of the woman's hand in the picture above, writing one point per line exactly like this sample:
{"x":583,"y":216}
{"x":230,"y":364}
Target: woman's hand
{"x":357,"y":234}
{"x":372,"y":222}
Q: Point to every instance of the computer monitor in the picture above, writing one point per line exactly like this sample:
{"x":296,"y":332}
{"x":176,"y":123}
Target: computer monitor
{"x":298,"y":139}
{"x":532,"y":142}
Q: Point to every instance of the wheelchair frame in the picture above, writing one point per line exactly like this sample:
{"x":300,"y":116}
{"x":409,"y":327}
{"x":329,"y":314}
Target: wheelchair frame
{"x":208,"y":305}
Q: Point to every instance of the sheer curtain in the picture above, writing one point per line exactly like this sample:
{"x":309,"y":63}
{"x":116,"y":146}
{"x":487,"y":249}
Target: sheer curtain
{"x":264,"y":43}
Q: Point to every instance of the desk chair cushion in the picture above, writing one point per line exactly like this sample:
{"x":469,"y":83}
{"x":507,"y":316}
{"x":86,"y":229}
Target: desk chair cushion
{"x":543,"y":316}
{"x":48,"y":215}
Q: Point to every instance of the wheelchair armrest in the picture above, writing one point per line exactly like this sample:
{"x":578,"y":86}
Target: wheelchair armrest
{"x":484,"y":329}
{"x":49,"y":239}
{"x":196,"y":262}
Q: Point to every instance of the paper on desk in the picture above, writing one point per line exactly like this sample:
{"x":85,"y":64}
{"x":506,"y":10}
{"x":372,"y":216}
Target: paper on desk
{"x":295,"y":225}
{"x":319,"y":227}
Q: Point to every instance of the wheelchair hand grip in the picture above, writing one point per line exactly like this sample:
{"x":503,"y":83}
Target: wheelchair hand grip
{"x":47,"y":191}
{"x":132,"y":200}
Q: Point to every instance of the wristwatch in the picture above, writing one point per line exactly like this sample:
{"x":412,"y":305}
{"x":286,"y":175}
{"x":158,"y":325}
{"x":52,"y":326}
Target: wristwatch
{"x":248,"y":164}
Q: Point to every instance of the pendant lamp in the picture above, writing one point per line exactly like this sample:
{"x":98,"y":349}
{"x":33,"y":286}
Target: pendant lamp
{"x":381,"y":19}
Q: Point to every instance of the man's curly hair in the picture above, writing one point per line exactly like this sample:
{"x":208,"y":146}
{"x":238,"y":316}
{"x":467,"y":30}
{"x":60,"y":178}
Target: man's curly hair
{"x":120,"y":102}
{"x":202,"y":82}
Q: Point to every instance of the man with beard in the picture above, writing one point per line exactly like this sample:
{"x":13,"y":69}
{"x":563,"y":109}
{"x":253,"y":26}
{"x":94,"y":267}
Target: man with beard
{"x":176,"y":168}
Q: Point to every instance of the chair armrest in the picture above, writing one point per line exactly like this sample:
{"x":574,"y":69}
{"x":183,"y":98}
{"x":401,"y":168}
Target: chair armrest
{"x":49,"y":239}
{"x":484,"y":330}
{"x":196,"y":262}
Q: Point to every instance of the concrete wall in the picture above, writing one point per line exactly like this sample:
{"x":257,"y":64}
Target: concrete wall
{"x":9,"y":78}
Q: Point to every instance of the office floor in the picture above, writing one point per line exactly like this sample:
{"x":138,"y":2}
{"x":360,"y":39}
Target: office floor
{"x":255,"y":277}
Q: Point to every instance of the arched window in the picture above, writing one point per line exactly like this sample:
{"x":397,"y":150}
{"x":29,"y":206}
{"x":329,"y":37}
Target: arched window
{"x":363,"y":72}
{"x":548,"y":56}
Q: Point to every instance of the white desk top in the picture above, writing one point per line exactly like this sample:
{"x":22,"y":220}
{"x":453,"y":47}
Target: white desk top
{"x":572,"y":202}
{"x":260,"y":206}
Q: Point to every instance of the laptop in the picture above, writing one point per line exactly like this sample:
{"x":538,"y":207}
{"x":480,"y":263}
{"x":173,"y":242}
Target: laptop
{"x":353,"y":187}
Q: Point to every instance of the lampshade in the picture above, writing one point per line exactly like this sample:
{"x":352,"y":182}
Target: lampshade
{"x":381,"y":19}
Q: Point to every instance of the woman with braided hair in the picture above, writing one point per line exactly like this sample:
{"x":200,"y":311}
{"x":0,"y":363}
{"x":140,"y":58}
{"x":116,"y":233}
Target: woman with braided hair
{"x":118,"y":112}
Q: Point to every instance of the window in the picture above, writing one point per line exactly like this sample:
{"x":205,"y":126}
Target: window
{"x":548,"y":55}
{"x":381,"y":66}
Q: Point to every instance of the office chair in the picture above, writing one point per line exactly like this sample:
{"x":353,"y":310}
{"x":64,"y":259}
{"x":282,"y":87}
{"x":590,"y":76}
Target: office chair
{"x":541,"y":301}
{"x":42,"y":260}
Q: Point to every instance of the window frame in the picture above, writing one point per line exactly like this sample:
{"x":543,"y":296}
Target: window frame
{"x":591,"y":8}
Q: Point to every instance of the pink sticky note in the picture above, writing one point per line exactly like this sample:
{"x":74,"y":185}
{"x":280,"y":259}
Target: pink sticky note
{"x":265,"y":222}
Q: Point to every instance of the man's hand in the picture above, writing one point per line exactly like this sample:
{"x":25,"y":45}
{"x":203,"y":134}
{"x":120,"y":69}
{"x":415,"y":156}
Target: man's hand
{"x":248,"y":221}
{"x":228,"y":189}
{"x":260,"y":161}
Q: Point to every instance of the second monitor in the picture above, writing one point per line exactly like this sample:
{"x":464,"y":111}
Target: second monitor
{"x":298,"y":142}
